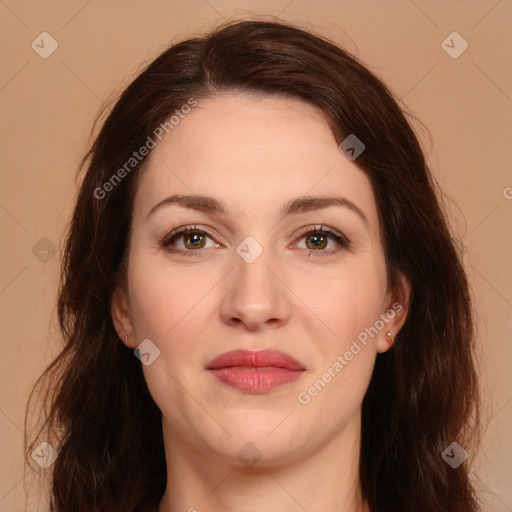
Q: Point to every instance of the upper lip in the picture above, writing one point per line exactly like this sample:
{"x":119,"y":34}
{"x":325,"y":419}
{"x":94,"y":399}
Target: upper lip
{"x":255,"y":359}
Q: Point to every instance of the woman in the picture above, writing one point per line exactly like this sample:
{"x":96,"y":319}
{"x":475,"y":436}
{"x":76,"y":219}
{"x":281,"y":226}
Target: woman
{"x":262,"y":305}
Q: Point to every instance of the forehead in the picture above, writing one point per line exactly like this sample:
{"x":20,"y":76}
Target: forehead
{"x":252,"y":152}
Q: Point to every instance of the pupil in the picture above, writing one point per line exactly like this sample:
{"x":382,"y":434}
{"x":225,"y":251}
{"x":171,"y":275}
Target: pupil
{"x":318,"y":240}
{"x":194,"y":239}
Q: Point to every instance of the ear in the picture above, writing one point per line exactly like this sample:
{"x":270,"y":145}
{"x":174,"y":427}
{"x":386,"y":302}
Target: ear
{"x":121,"y":317}
{"x":395,"y":312}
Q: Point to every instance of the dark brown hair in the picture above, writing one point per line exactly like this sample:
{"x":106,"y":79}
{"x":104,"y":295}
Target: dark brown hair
{"x":423,"y":394}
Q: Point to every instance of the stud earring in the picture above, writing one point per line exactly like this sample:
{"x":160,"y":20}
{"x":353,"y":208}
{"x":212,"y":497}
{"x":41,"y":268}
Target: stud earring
{"x":389,"y":338}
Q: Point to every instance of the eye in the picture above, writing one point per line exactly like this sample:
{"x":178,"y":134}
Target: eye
{"x":194,"y":239}
{"x":317,"y":239}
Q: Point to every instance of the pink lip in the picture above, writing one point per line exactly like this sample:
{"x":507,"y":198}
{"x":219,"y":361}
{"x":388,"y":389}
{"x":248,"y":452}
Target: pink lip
{"x":255,"y":372}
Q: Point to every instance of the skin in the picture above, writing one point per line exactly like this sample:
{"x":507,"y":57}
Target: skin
{"x":255,"y":154}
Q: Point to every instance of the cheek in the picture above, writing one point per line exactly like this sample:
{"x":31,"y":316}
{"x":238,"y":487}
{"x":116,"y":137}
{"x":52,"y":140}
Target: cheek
{"x":344,"y":360}
{"x":162,"y":299}
{"x":351,"y":305}
{"x":166,"y":308}
{"x":349,"y":299}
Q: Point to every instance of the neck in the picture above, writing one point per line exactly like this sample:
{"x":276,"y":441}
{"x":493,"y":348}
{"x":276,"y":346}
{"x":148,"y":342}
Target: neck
{"x":326,"y":480}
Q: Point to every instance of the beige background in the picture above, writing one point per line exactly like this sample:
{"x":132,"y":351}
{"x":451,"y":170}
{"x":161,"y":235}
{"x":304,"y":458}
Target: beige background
{"x":48,"y":106}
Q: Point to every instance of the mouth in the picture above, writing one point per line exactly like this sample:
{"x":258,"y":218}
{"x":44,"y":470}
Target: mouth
{"x":255,"y":372}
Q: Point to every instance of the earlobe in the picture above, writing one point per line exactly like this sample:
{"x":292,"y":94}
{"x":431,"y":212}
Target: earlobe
{"x":389,"y":338}
{"x":121,"y":318}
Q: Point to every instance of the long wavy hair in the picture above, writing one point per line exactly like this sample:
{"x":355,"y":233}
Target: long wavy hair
{"x":423,"y":396}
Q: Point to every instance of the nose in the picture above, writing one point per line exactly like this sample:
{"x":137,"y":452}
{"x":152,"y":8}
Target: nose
{"x":255,"y":295}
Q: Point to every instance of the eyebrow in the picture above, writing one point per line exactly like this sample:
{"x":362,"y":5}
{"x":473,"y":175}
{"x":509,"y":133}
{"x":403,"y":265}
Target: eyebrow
{"x":295,"y":206}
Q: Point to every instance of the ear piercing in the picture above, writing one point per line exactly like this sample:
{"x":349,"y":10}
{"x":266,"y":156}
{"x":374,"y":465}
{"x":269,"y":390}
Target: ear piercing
{"x":389,"y":338}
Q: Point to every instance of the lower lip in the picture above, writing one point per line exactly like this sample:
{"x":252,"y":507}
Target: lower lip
{"x":256,"y":380}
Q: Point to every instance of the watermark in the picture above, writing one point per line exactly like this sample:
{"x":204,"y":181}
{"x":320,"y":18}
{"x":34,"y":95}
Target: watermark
{"x":147,"y":352}
{"x":44,"y":455}
{"x":249,"y":455}
{"x":351,"y":147}
{"x":44,"y":250}
{"x":137,"y":156}
{"x":507,"y":192}
{"x":304,"y":397}
{"x":249,"y":249}
{"x":44,"y":45}
{"x":454,"y":45}
{"x":454,"y":455}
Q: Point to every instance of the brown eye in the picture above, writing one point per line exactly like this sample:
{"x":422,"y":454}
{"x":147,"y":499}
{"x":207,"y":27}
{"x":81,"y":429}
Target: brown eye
{"x":189,"y":241}
{"x":317,"y":238}
{"x":319,"y":241}
{"x":197,"y":240}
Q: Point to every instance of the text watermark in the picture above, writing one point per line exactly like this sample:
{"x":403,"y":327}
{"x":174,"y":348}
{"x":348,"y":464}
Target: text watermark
{"x":304,"y":397}
{"x":137,"y":156}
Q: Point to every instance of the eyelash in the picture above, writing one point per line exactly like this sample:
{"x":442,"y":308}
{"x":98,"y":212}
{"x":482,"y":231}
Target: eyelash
{"x":168,"y":239}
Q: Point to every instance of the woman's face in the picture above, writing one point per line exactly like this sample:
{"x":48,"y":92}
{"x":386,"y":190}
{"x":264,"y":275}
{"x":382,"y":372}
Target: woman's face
{"x":254,"y":274}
